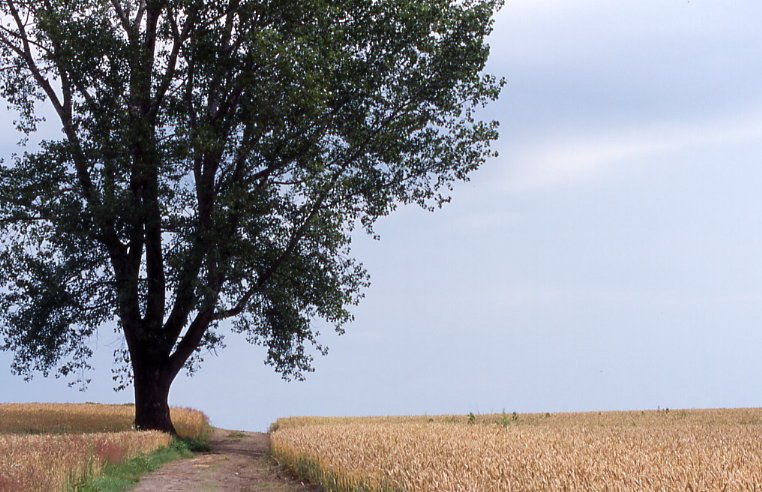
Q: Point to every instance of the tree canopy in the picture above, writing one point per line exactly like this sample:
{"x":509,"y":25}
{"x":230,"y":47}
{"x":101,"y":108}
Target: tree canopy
{"x":214,"y":160}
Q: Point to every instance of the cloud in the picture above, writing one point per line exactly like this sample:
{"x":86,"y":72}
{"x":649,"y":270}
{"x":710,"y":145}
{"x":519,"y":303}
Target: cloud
{"x":584,"y":157}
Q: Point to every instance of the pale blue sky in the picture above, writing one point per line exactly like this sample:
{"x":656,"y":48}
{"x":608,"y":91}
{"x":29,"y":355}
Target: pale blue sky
{"x":610,"y":258}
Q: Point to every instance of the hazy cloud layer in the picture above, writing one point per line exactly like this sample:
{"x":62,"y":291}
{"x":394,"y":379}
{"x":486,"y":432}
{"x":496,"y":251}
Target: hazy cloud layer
{"x":597,"y":153}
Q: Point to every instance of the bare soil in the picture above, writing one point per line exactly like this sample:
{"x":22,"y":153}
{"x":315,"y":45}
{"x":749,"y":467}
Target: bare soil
{"x":239,"y":461}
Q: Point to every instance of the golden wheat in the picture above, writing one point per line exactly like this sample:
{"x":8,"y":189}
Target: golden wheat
{"x":52,"y":462}
{"x":69,"y":442}
{"x":58,"y":418}
{"x":629,"y":451}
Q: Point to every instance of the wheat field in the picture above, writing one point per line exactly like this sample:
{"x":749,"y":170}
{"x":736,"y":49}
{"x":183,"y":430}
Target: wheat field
{"x":607,"y":451}
{"x":53,"y":462}
{"x":48,"y":447}
{"x":58,"y":418}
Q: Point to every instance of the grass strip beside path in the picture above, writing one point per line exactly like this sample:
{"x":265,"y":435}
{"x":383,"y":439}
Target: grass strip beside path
{"x":122,"y":476}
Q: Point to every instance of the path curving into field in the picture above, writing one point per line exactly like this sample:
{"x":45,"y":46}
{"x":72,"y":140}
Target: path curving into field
{"x":238,"y":461}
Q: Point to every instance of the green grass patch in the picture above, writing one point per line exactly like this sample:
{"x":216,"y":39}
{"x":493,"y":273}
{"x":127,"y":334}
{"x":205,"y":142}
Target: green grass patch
{"x":200,"y":445}
{"x":122,"y":476}
{"x":236,"y":436}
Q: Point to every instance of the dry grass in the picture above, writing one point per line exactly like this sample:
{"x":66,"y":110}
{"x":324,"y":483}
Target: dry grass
{"x":47,"y":447}
{"x":634,"y":451}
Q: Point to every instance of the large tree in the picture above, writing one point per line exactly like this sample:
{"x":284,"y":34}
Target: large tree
{"x":214,"y":159}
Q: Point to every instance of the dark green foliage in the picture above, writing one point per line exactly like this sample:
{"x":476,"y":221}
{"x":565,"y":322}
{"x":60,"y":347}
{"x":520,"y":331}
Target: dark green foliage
{"x":214,"y":160}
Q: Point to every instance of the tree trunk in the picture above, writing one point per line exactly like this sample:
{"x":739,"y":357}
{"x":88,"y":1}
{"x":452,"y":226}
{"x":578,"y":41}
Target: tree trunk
{"x":152,"y":383}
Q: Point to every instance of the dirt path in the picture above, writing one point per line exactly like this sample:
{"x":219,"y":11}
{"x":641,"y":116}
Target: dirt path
{"x":238,"y":462}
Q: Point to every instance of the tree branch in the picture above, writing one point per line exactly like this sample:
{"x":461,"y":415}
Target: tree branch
{"x":190,"y":341}
{"x":120,"y":13}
